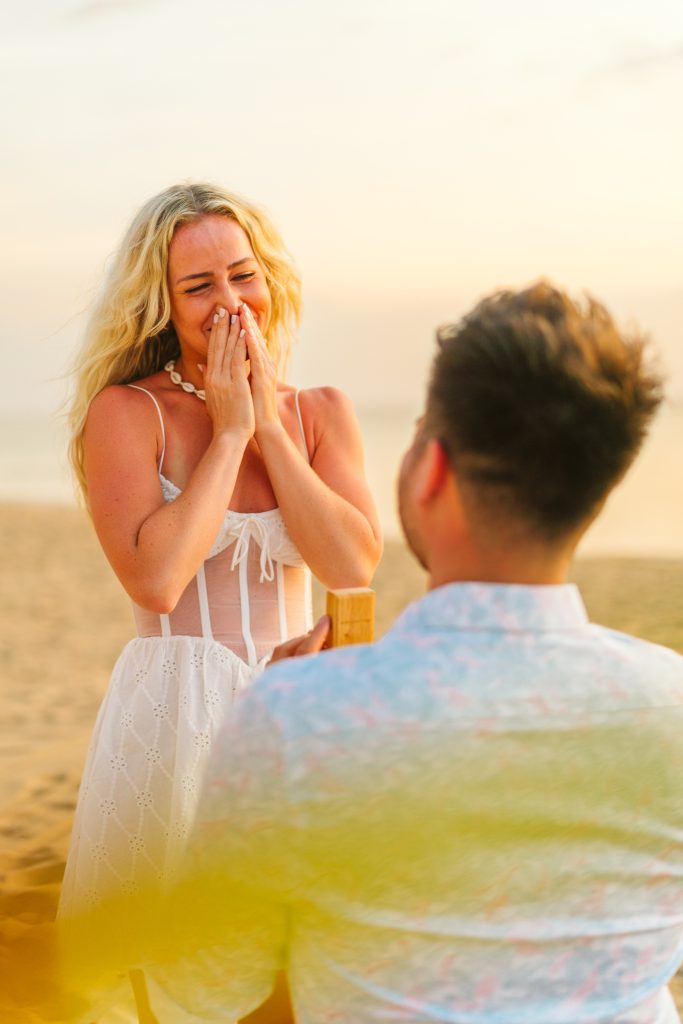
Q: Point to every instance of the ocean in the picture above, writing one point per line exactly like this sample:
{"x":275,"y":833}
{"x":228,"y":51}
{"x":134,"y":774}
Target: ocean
{"x":644,"y":515}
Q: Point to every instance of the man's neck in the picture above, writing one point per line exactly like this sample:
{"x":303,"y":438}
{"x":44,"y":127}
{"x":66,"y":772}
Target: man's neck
{"x":530,"y":565}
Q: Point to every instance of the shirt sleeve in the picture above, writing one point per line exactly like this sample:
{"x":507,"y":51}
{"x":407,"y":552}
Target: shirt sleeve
{"x":225,"y":920}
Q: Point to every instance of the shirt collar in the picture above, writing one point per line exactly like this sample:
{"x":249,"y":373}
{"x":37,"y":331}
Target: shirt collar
{"x":497,"y":607}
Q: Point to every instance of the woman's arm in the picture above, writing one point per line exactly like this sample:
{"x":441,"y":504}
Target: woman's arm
{"x":153,"y":547}
{"x":326,"y":505}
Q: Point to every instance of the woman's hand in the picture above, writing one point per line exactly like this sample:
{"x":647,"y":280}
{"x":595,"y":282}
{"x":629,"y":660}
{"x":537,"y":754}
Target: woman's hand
{"x":263,"y":373}
{"x":229,"y":400}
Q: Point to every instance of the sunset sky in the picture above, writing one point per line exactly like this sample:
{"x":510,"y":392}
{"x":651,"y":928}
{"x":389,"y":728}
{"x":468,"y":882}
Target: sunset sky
{"x":414,"y":155}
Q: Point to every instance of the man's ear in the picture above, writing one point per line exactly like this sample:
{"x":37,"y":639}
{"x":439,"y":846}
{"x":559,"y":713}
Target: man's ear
{"x":431,"y":472}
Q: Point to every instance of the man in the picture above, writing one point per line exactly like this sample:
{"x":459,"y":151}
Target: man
{"x":480,"y":817}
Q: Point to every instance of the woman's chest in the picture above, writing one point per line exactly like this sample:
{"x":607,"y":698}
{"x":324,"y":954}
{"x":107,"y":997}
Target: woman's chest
{"x":252,"y":491}
{"x":189,"y":435}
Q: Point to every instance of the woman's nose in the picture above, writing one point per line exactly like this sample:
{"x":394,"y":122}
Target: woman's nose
{"x":229,"y":296}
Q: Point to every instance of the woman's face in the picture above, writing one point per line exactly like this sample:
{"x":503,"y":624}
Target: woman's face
{"x":211,"y":264}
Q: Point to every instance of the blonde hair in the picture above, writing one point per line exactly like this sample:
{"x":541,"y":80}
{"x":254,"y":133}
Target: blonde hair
{"x":129,"y":333}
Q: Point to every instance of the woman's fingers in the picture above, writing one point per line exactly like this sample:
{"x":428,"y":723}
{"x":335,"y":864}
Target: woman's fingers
{"x":256,"y":344}
{"x":233,"y":335}
{"x":216,"y":351}
{"x":211,"y":353}
{"x":222,"y":327}
{"x":249,"y":321}
{"x":263,"y":371}
{"x":248,"y":335}
{"x":239,"y":355}
{"x":227,"y":331}
{"x":228,"y":399}
{"x":252,"y":352}
{"x":235,"y":351}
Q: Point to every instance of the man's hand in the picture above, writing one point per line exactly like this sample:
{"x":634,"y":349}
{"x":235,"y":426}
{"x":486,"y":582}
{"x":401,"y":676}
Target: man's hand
{"x":309,"y":643}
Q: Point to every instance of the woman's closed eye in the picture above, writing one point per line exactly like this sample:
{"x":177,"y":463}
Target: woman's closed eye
{"x":246,"y":276}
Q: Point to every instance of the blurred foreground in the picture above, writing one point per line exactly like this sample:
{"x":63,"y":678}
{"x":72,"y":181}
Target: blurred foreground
{"x":65,"y":620}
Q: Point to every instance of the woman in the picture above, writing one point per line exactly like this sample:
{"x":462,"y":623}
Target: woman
{"x":213,"y":487}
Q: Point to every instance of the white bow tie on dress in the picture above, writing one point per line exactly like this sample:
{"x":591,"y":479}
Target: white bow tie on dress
{"x":255,"y":527}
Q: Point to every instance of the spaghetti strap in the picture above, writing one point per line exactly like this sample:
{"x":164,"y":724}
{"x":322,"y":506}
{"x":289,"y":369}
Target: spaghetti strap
{"x":301,"y":424}
{"x":161,"y":421}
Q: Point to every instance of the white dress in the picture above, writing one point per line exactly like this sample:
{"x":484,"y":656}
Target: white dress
{"x":171,"y":688}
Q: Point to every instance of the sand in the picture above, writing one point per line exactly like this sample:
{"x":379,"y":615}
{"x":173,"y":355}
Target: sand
{"x":64,"y":620}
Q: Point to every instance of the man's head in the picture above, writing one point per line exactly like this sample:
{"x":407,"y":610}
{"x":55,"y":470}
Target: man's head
{"x":539,"y":405}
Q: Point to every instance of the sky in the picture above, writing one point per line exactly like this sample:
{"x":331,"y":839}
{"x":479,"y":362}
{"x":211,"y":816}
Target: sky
{"x":414,"y":155}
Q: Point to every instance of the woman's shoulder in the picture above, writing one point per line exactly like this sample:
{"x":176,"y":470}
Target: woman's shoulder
{"x":117,"y":401}
{"x":328,"y":415}
{"x":324,"y":398}
{"x":124,"y":426}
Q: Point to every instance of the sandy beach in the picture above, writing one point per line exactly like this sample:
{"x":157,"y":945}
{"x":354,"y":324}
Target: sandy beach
{"x":65,"y":618}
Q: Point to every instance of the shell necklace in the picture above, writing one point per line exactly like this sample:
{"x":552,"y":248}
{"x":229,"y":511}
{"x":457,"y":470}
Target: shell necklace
{"x":186,"y":385}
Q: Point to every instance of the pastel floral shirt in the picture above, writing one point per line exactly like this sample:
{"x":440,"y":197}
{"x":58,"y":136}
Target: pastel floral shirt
{"x":478,"y":819}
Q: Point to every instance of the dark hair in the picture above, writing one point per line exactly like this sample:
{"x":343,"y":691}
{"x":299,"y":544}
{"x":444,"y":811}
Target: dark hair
{"x":542,"y":400}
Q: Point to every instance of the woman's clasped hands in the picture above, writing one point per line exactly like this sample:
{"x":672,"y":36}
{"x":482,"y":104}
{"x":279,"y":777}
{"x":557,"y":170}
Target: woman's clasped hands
{"x":263,"y":373}
{"x":240,"y":377}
